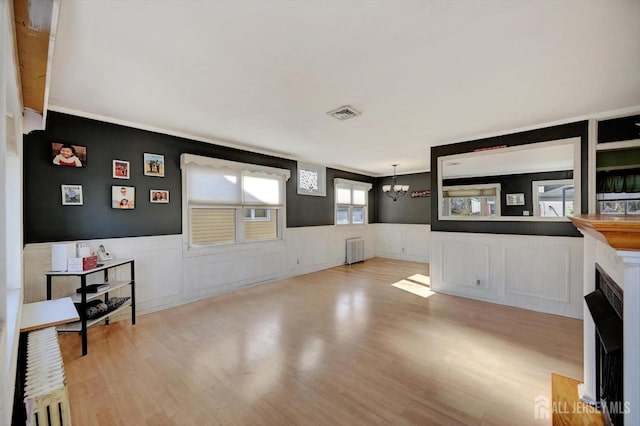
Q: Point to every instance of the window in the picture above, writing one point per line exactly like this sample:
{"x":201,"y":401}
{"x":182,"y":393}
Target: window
{"x":257,"y":214}
{"x":312,"y":179}
{"x":471,"y":200}
{"x":553,"y":198}
{"x":229,"y":203}
{"x":351,"y":201}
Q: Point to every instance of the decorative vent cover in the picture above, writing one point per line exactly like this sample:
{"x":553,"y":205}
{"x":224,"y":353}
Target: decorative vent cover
{"x":344,"y":112}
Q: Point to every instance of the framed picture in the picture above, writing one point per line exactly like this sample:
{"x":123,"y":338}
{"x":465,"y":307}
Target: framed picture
{"x":515,"y":199}
{"x":123,"y":197}
{"x":120,"y":169}
{"x":153,"y":165}
{"x":63,"y":154}
{"x":71,"y":195}
{"x":633,"y":207}
{"x":613,"y":207}
{"x":158,"y":196}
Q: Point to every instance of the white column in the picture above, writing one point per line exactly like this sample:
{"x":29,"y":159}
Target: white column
{"x":631,"y":357}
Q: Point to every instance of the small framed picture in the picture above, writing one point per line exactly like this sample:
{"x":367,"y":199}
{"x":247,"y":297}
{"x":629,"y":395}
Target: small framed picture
{"x":613,"y":207}
{"x":158,"y":196}
{"x":68,"y":155}
{"x":123,"y":197}
{"x":120,"y":169}
{"x":515,"y":199}
{"x":71,"y":195}
{"x":153,"y":165}
{"x":633,"y":207}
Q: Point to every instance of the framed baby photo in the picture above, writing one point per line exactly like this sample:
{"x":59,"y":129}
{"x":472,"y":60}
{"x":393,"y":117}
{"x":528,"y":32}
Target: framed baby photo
{"x":71,"y":195}
{"x":120,"y":169}
{"x":153,"y":165}
{"x":159,"y":196}
{"x":123,"y":197}
{"x":64,"y":154}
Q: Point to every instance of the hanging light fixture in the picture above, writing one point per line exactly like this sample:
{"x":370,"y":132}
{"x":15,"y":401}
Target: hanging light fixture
{"x":395,"y":191}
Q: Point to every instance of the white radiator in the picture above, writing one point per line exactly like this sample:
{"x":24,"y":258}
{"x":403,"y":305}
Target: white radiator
{"x":355,"y":250}
{"x":46,"y":398}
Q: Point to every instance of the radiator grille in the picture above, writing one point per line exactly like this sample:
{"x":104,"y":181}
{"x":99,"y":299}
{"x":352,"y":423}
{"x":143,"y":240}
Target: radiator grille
{"x":46,"y":398}
{"x":355,"y":250}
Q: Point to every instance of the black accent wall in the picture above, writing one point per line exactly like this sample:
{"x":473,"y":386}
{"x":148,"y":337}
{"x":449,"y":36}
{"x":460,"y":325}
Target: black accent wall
{"x":46,"y":219}
{"x":577,"y":129}
{"x":405,"y":209}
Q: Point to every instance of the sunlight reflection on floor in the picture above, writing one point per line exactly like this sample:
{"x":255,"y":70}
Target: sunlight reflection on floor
{"x":416,"y":284}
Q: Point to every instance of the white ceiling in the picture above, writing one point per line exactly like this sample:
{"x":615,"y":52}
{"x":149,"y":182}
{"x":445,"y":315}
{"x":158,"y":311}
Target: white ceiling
{"x":263,"y":74}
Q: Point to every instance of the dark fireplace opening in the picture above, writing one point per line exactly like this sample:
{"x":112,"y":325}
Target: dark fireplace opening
{"x":606,"y":307}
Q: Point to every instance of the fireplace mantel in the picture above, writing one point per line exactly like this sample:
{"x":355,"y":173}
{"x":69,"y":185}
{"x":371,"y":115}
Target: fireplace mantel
{"x":622,"y":232}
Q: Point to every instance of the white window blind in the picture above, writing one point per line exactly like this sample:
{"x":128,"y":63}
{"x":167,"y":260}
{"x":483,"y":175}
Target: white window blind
{"x":359,"y":197}
{"x":343,"y":195}
{"x":262,"y":189}
{"x":213,"y":186}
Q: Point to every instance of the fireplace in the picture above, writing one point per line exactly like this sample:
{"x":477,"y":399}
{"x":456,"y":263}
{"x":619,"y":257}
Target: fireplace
{"x":606,"y":307}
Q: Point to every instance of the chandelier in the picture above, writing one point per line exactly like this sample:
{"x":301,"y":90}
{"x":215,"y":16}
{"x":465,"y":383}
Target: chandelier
{"x":395,"y":191}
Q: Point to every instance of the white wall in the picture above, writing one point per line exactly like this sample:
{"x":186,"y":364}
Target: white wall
{"x":403,"y":242}
{"x":532,"y":272}
{"x":165,"y":277}
{"x":10,"y":210}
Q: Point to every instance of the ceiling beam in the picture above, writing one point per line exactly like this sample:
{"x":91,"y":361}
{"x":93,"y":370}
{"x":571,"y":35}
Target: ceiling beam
{"x":33,"y":29}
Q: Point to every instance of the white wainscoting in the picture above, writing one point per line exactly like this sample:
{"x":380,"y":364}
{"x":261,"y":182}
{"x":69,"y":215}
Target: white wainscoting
{"x":165,"y":277}
{"x":402,"y":242}
{"x":532,"y":272}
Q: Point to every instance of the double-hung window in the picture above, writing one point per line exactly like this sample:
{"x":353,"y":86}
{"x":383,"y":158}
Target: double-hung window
{"x":226,"y":202}
{"x":351,"y":201}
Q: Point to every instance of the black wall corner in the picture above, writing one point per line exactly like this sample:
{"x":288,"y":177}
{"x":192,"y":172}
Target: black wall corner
{"x":416,"y":210}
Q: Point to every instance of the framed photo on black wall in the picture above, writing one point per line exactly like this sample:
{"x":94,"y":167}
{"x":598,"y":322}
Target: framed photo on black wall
{"x":153,"y":165}
{"x":68,"y":155}
{"x":120,"y":169}
{"x":160,"y":196}
{"x":123,"y":197}
{"x":71,"y":195}
{"x":515,"y":199}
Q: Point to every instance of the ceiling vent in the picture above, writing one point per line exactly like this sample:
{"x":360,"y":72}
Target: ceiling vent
{"x":344,"y":112}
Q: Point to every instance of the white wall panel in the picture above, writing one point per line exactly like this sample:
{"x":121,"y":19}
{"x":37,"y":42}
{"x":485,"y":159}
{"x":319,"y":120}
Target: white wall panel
{"x":532,"y":272}
{"x":466,"y":265}
{"x":548,"y":276}
{"x":166,"y":277}
{"x":402,"y":241}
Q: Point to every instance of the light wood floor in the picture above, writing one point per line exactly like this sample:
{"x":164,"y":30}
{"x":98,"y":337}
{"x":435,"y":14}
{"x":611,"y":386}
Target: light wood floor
{"x":336,"y":347}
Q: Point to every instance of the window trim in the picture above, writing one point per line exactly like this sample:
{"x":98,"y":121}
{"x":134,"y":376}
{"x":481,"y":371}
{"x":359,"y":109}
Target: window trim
{"x":536,"y":200}
{"x":470,"y":191}
{"x":239,"y":244}
{"x":351,"y":185}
